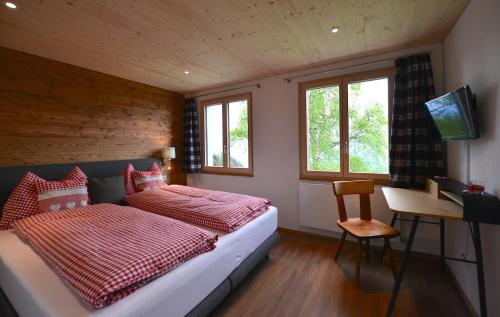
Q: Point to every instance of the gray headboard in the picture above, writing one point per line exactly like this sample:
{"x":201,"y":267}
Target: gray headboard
{"x":10,"y":176}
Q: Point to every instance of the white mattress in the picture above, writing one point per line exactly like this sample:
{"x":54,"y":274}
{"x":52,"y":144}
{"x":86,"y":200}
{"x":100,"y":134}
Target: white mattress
{"x":35,"y":290}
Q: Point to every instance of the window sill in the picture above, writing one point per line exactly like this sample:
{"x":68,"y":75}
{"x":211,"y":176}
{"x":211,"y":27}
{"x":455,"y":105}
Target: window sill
{"x":246,"y":173}
{"x":377,"y":179}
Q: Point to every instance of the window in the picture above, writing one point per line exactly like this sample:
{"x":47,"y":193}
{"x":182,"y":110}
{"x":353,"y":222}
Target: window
{"x":227,"y":135}
{"x":344,"y":126}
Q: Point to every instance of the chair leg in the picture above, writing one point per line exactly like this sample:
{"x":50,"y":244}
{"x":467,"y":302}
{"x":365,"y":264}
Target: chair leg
{"x":387,"y":244}
{"x":358,"y":260}
{"x":368,"y":249}
{"x":342,"y":240}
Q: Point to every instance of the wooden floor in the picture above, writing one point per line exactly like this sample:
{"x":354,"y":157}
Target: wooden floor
{"x":302,"y":279}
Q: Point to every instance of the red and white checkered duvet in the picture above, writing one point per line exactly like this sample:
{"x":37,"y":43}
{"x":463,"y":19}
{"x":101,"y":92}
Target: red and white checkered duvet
{"x":218,"y":210}
{"x":105,"y":252}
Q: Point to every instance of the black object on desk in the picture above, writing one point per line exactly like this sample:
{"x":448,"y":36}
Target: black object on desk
{"x":481,"y":207}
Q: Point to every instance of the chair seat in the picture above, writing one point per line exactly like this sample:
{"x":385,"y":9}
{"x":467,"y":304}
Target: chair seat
{"x":367,"y":228}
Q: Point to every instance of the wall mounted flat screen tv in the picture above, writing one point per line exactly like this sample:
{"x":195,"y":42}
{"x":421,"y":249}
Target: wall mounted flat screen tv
{"x":454,"y":115}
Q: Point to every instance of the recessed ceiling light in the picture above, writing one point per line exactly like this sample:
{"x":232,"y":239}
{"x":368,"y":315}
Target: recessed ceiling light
{"x":10,"y":5}
{"x":186,"y":72}
{"x":335,"y":29}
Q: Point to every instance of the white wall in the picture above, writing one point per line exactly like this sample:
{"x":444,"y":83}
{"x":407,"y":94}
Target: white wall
{"x":472,"y":56}
{"x":276,"y":153}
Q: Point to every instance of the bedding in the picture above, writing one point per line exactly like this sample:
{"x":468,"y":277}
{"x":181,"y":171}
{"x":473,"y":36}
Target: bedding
{"x":144,"y":181}
{"x":105,"y":252}
{"x":35,"y":290}
{"x":75,"y":173}
{"x":129,"y":180}
{"x":23,"y":201}
{"x":214,"y":209}
{"x":67,"y":194}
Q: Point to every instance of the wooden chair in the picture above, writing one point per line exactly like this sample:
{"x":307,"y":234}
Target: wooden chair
{"x":364,"y":228}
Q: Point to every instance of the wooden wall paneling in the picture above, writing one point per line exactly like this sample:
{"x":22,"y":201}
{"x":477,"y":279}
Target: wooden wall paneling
{"x":52,"y":112}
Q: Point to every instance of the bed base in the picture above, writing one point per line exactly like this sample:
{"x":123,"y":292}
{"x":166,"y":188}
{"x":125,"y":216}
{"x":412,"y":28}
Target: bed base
{"x":235,"y":278}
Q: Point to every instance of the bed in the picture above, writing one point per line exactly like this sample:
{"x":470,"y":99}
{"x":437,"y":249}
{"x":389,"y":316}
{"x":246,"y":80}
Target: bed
{"x":31,"y":288}
{"x":215,"y":209}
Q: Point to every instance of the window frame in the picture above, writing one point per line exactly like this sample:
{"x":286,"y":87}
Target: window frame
{"x":341,"y":81}
{"x":225,"y":169}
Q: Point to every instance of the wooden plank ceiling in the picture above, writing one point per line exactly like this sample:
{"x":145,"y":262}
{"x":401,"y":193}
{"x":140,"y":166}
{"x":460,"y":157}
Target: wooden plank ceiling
{"x":218,"y":41}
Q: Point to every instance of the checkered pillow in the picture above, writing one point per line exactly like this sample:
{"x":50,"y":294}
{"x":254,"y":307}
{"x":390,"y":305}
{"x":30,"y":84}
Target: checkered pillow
{"x":67,"y":194}
{"x":144,"y":181}
{"x":75,"y":173}
{"x":23,"y":201}
{"x":129,"y":180}
{"x":154,"y":167}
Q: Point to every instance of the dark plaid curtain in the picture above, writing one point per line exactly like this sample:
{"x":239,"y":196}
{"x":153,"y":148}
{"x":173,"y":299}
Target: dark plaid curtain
{"x":415,"y":154}
{"x":192,"y":154}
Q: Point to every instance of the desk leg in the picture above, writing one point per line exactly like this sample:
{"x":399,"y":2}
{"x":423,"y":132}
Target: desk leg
{"x":394,"y":218}
{"x":443,"y":241}
{"x":402,"y":267}
{"x":393,"y":222}
{"x":480,"y":270}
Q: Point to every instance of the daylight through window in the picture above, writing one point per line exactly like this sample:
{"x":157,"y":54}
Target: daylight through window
{"x":344,"y":125}
{"x":226,"y":135}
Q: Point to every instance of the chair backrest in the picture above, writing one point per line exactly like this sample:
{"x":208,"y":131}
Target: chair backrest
{"x":363,"y":188}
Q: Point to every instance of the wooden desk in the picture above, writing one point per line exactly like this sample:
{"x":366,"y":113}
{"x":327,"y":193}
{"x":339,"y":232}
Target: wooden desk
{"x":416,"y":203}
{"x":420,"y":203}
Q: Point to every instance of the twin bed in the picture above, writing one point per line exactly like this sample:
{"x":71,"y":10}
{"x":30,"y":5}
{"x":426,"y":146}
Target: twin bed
{"x":194,"y":288}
